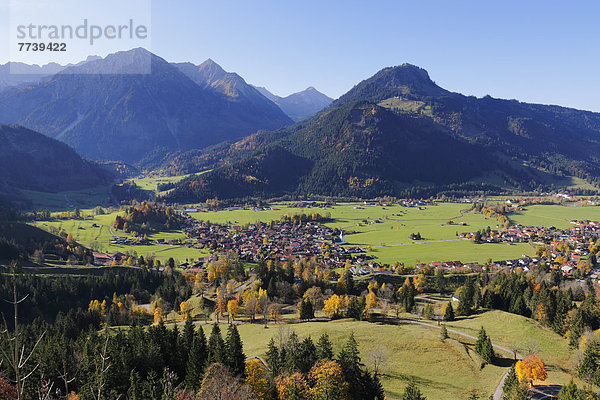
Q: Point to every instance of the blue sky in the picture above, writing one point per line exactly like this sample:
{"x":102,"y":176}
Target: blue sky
{"x":536,"y":51}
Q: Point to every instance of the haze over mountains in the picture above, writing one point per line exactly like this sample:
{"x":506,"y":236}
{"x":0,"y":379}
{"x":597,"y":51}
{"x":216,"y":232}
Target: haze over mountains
{"x":301,"y":105}
{"x":15,"y":73}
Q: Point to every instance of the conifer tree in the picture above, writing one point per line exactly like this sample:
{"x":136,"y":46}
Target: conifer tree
{"x":324,"y":347}
{"x":444,"y":332}
{"x":197,"y":360}
{"x":484,"y":347}
{"x":307,"y":355}
{"x":412,"y":392}
{"x":216,"y":346}
{"x":449,"y":312}
{"x":306,"y":310}
{"x":272,"y":358}
{"x":354,"y":310}
{"x":235,"y":358}
{"x":467,"y":294}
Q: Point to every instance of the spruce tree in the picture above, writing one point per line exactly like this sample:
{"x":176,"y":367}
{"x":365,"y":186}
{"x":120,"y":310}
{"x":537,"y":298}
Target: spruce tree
{"x":307,"y":355}
{"x":569,"y":392}
{"x":235,"y":358}
{"x":216,"y":346}
{"x":197,"y":360}
{"x":510,"y":382}
{"x":272,"y":358}
{"x":484,"y":347}
{"x":412,"y":392}
{"x":467,"y":294}
{"x":291,"y":356}
{"x":481,"y":339}
{"x":349,"y":281}
{"x":306,"y":310}
{"x":188,"y":333}
{"x":353,"y":310}
{"x":449,"y":313}
{"x":350,"y":362}
{"x":324,"y":347}
{"x":444,"y":332}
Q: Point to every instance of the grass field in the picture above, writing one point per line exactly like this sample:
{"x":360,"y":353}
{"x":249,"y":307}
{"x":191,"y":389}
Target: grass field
{"x":554,"y":215}
{"x":99,"y":237}
{"x":86,"y":198}
{"x":524,"y":335}
{"x":389,"y":239}
{"x":151,"y":183}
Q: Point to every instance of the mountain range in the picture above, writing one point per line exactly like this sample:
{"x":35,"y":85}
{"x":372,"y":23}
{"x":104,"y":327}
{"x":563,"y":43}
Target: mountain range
{"x":16,"y":73}
{"x":107,"y":113}
{"x":398,"y":133}
{"x":300,"y":105}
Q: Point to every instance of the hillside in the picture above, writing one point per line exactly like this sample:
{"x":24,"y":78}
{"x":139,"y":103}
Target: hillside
{"x":398,"y":133}
{"x":301,"y":105}
{"x":106,"y":110}
{"x":30,"y":160}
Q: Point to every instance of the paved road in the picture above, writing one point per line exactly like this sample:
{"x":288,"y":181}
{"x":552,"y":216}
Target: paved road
{"x":498,"y":392}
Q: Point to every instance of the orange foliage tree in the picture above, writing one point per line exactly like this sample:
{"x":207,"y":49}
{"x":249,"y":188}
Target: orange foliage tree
{"x":531,"y":369}
{"x":292,"y":387}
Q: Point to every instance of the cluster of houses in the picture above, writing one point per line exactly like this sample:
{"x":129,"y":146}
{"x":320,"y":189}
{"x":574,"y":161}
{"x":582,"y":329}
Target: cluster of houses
{"x":142,"y":240}
{"x":578,"y":238}
{"x":276,"y":241}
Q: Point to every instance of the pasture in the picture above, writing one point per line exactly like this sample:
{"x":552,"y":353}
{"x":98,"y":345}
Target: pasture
{"x":96,"y":232}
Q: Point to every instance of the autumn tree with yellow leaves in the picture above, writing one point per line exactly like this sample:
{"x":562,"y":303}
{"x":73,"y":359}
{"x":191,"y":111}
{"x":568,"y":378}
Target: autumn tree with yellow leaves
{"x":257,"y":378}
{"x":232,"y":309}
{"x":531,"y":369}
{"x":333,"y":306}
{"x":327,"y":381}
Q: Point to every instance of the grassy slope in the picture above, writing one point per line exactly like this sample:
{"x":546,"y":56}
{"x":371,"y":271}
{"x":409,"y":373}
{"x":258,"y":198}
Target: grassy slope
{"x":150,"y":183}
{"x":85,"y":198}
{"x":443,"y":370}
{"x":88,"y":235}
{"x":520,"y":333}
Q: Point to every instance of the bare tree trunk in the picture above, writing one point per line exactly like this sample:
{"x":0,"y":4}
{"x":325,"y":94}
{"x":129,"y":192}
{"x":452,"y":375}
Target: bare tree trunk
{"x":16,"y":356}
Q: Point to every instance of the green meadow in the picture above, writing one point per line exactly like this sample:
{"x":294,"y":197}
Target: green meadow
{"x":98,"y":237}
{"x":555,"y":215}
{"x":526,"y":336}
{"x":151,"y":183}
{"x":60,"y":201}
